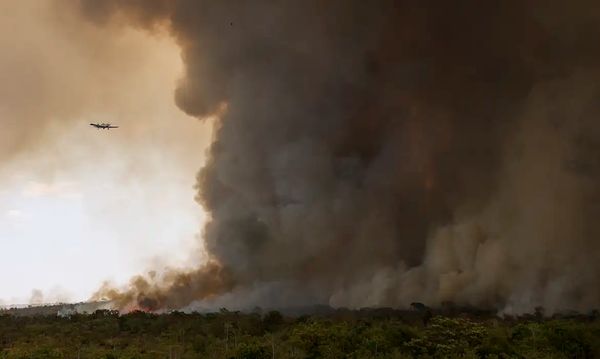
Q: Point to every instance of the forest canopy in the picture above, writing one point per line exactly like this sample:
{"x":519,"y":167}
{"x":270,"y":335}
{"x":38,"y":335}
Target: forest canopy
{"x":341,"y":333}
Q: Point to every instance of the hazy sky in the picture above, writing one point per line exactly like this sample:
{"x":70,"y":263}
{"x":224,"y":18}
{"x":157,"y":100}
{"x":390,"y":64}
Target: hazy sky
{"x":78,"y":205}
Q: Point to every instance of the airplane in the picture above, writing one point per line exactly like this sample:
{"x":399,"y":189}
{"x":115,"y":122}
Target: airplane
{"x":103,"y":126}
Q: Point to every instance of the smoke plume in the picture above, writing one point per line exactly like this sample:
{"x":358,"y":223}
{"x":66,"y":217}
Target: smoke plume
{"x":380,"y":153}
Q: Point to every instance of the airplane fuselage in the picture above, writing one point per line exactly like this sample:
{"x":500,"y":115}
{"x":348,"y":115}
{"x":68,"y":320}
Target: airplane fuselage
{"x":104,"y":126}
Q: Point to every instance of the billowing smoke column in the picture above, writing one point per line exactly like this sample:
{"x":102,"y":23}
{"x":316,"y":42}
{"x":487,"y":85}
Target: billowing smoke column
{"x":379,"y":153}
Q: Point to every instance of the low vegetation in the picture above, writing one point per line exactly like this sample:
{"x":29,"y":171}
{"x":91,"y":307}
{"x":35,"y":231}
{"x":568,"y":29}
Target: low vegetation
{"x":369,"y":333}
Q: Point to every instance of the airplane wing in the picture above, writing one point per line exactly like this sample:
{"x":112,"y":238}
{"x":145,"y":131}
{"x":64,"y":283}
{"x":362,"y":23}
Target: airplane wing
{"x":103,"y":125}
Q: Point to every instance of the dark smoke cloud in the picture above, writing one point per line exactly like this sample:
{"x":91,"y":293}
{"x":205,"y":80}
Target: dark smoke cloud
{"x":379,"y":153}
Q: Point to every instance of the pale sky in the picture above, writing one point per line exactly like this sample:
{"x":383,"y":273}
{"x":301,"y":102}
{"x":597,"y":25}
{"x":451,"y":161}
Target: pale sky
{"x":78,"y":205}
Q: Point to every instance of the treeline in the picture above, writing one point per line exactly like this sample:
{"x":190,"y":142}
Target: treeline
{"x":369,"y":333}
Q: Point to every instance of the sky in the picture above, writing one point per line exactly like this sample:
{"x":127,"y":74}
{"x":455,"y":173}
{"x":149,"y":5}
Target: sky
{"x":79,"y":206}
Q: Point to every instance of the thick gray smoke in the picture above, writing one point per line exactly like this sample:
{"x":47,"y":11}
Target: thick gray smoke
{"x":380,"y":153}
